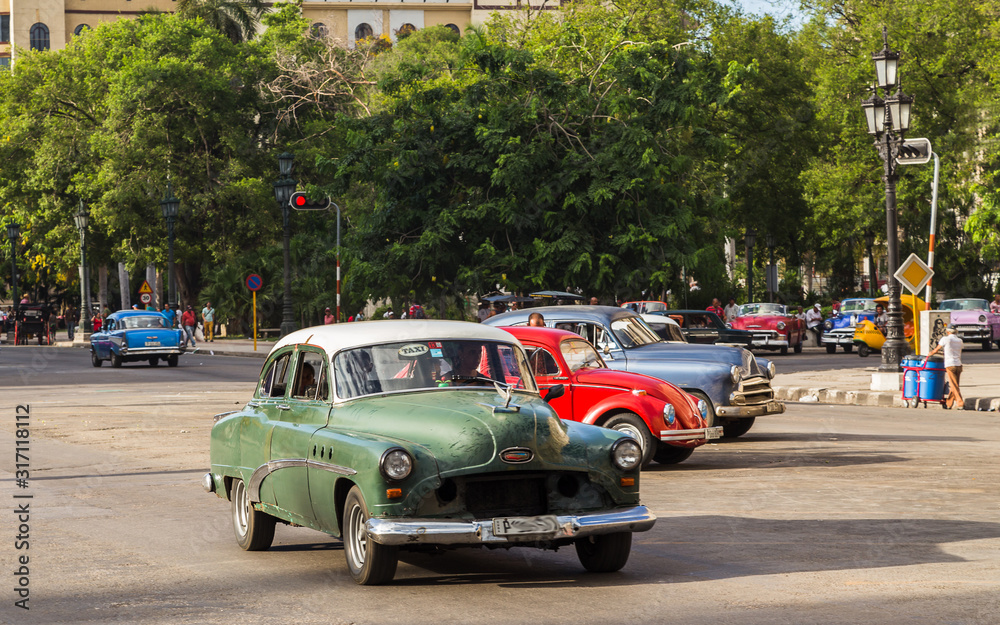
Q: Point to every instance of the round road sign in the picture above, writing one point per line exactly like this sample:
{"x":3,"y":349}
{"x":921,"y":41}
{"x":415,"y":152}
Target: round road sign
{"x":145,"y":298}
{"x":254,"y":282}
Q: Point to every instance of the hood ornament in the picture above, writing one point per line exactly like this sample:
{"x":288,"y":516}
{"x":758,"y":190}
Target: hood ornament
{"x":506,"y":392}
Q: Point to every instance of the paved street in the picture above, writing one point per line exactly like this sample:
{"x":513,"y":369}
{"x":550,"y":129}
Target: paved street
{"x":825,"y":514}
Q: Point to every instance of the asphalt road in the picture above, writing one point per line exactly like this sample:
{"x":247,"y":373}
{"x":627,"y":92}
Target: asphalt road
{"x":824,"y":514}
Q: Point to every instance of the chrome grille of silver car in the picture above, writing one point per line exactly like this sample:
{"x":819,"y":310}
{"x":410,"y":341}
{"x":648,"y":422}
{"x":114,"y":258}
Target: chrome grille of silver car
{"x":752,"y":391}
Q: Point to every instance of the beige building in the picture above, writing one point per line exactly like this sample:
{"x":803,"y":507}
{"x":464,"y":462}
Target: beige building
{"x":49,"y":24}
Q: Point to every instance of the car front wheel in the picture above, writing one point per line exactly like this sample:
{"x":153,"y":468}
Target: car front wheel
{"x":94,"y":360}
{"x":369,"y":562}
{"x":987,"y":346}
{"x":737,"y":427}
{"x":172,"y":360}
{"x":633,"y":425}
{"x":831,"y":348}
{"x":605,"y":553}
{"x":254,"y":529}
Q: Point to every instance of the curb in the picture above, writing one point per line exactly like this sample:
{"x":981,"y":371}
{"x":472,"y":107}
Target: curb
{"x":887,"y":399}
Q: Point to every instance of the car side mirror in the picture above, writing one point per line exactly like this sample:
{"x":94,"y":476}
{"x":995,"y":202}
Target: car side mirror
{"x":555,"y":392}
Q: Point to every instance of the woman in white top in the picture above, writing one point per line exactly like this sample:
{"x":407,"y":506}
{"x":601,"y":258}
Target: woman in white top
{"x":952,"y":346}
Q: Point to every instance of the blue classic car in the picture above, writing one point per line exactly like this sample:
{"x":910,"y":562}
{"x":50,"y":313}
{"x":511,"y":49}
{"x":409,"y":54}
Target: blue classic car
{"x":731,"y":380}
{"x":839,"y":329}
{"x":131,"y":335}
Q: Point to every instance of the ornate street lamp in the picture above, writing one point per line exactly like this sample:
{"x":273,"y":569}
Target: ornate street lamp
{"x":13,"y":234}
{"x":171,"y":206}
{"x":750,"y":238}
{"x":772,"y":274}
{"x":284,"y":187}
{"x":888,"y":120}
{"x":82,"y":218}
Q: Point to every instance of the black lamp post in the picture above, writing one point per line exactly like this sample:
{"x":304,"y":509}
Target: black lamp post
{"x":750,"y":239}
{"x":888,"y":120}
{"x":13,"y":234}
{"x":170,"y":206}
{"x":772,"y":274}
{"x":869,"y":243}
{"x":82,"y":218}
{"x":284,"y":187}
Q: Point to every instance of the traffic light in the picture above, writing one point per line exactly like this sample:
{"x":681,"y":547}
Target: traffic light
{"x":299,"y":201}
{"x":914,"y":152}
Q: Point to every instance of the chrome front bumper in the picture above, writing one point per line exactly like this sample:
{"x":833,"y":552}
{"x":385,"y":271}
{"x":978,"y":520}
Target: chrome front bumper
{"x":755,"y":410}
{"x":453,"y":532}
{"x":768,"y":341}
{"x":977,"y":334}
{"x":700,"y":434}
{"x":837,"y":338}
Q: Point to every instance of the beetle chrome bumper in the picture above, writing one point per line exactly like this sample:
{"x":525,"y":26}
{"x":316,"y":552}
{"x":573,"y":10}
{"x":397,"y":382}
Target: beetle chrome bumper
{"x":700,"y":434}
{"x":453,"y":532}
{"x":756,"y":410}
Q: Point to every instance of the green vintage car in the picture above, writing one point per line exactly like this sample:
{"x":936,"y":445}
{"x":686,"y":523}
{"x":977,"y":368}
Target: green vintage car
{"x":420,"y":435}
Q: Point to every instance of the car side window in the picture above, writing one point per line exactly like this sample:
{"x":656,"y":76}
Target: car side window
{"x":310,"y":379}
{"x":542,"y":363}
{"x":275,"y":380}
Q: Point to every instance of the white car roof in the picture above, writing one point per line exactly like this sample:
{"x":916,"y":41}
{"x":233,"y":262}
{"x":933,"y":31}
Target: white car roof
{"x":338,"y":336}
{"x":659,"y":319}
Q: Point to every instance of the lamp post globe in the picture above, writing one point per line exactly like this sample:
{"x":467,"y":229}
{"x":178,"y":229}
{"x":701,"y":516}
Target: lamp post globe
{"x":284,"y":187}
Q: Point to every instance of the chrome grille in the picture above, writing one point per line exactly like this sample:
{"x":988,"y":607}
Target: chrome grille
{"x":752,"y":391}
{"x":504,"y":496}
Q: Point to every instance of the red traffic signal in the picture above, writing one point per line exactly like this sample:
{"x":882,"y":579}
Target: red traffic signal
{"x":299,"y":201}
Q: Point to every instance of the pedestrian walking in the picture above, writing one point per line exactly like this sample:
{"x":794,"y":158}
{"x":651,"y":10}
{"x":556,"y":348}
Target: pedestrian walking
{"x":716,"y":307}
{"x":208,"y":322}
{"x":70,"y":317}
{"x":952,"y":346}
{"x":329,"y":317}
{"x":730,"y":310}
{"x":814,"y":322}
{"x":188,"y":320}
{"x":171,"y":316}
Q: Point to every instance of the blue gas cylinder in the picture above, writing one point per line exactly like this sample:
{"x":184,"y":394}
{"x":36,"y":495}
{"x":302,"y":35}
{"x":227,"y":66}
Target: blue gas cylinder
{"x":932,"y":380}
{"x":910,"y":364}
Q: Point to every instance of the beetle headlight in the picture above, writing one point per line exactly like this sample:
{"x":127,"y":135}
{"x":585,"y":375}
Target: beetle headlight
{"x":626,"y":454}
{"x":828,"y":325}
{"x":703,"y":409}
{"x":735,"y":374}
{"x":780,"y":325}
{"x":668,"y":413}
{"x":396,"y":464}
{"x":771,"y":370}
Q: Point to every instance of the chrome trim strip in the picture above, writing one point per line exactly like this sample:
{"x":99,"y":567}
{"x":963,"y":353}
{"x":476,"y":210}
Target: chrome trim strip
{"x":405,"y":531}
{"x":699,"y":434}
{"x":253,"y":488}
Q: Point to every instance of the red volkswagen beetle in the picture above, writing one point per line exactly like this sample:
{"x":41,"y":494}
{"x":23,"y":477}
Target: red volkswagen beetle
{"x":666,"y":421}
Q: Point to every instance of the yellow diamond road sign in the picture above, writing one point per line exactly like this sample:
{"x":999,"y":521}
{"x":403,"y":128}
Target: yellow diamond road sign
{"x":914,"y":274}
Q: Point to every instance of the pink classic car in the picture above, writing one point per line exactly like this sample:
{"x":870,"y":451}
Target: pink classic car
{"x":974,"y":321}
{"x":773,"y":326}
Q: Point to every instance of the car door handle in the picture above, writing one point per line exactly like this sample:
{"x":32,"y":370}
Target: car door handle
{"x":560,"y":378}
{"x":284,"y":407}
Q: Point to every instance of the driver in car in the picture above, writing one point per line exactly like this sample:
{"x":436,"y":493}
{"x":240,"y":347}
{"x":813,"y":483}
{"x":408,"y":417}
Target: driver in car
{"x":465,"y":365}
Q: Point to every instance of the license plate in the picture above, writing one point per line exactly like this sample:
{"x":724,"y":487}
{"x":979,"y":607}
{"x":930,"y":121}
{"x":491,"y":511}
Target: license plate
{"x":521,"y":525}
{"x":152,"y":343}
{"x":715,"y":432}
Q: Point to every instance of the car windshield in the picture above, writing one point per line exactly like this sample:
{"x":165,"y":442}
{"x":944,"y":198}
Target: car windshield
{"x":666,"y":330}
{"x":964,"y":304}
{"x":857,"y":305}
{"x":762,"y":309}
{"x":633,"y":332}
{"x":144,"y":322}
{"x":429,"y":364}
{"x":580,"y":354}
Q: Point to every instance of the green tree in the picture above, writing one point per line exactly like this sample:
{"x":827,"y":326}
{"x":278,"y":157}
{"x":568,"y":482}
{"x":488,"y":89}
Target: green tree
{"x":236,"y":19}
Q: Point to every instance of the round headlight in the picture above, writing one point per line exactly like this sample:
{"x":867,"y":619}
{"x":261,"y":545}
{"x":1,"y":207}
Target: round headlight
{"x":735,"y":374}
{"x":771,"y":370}
{"x":668,"y":413}
{"x":780,"y":325}
{"x":626,"y":454}
{"x":703,"y":408}
{"x":828,"y":325}
{"x":982,"y":318}
{"x":396,"y":464}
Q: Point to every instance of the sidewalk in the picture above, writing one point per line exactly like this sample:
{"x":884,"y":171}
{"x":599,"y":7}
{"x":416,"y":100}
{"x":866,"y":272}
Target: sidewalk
{"x":980,"y":388}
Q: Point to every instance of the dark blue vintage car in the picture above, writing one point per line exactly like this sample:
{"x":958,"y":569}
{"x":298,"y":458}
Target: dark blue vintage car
{"x":839,"y":329}
{"x":132,"y":335}
{"x":731,"y":380}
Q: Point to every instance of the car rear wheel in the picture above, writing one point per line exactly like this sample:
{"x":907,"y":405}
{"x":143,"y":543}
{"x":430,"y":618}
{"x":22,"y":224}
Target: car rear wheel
{"x":831,"y":348}
{"x":605,"y":553}
{"x":737,"y":427}
{"x":798,"y":347}
{"x":864,"y":350}
{"x":633,"y":425}
{"x":784,"y":350}
{"x":153,"y":362}
{"x":369,"y":562}
{"x":172,"y":360}
{"x":116,"y":360}
{"x":94,"y":360}
{"x":254,"y":529}
{"x":670,"y":454}
{"x":848,"y":349}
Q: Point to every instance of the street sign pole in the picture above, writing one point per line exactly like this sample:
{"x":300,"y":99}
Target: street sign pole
{"x":254,"y":320}
{"x":253,"y":283}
